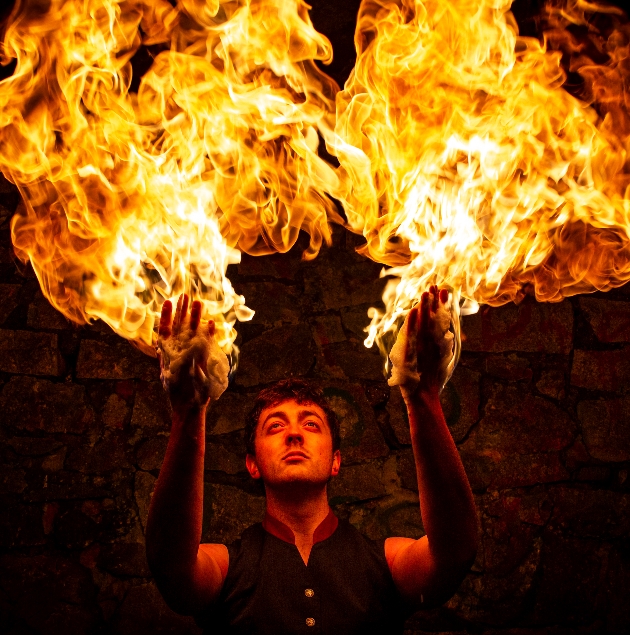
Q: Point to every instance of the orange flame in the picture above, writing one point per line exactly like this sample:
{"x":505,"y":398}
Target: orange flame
{"x":468,"y":165}
{"x":131,"y":199}
{"x":464,"y":161}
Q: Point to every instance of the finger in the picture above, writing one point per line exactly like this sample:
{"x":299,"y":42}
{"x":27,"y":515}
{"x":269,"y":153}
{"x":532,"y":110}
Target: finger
{"x":211,"y":328}
{"x":164,"y":329}
{"x":444,"y":296}
{"x":177,"y":321}
{"x":195,"y":315}
{"x":434,"y":298}
{"x":184,"y":314}
{"x":423,"y":328}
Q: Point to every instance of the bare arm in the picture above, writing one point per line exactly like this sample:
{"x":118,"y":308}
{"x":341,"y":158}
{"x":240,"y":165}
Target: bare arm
{"x":429,"y":570}
{"x":188,"y":575}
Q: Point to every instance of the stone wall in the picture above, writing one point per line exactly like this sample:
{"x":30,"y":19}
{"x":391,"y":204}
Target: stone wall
{"x":538,"y":406}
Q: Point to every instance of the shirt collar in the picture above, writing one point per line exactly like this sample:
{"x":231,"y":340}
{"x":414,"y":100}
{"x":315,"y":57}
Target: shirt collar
{"x":277,"y":528}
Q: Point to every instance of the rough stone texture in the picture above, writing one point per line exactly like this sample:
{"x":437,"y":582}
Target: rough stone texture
{"x":286,"y":351}
{"x":610,"y":319}
{"x":517,"y":442}
{"x":38,"y":404}
{"x":99,"y":360}
{"x":529,"y":327}
{"x":601,"y":370}
{"x":29,"y":353}
{"x":9,"y":295}
{"x":606,"y":428}
{"x":538,"y":407}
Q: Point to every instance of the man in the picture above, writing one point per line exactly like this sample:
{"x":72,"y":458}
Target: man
{"x":302,"y":570}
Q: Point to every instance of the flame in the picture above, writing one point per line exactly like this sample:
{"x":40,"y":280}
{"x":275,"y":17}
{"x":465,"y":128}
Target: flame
{"x":468,"y":165}
{"x":133,"y":197}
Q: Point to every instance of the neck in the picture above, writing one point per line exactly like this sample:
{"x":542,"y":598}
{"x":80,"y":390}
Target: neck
{"x":302,"y":511}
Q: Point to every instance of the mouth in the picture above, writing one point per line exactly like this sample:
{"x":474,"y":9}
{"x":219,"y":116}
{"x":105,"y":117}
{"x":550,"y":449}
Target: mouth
{"x":293,"y":456}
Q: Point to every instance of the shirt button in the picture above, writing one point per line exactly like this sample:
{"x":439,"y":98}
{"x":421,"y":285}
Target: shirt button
{"x":310,"y":621}
{"x":309,"y":593}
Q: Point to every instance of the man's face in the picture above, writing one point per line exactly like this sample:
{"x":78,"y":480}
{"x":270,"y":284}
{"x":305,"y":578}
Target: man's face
{"x":293,"y":445}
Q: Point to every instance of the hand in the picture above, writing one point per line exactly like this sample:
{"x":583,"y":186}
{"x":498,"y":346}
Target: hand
{"x":424,"y":347}
{"x":193,"y":368}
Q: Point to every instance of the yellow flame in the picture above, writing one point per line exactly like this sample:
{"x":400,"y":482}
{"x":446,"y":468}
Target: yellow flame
{"x":467,"y":164}
{"x":132,"y":198}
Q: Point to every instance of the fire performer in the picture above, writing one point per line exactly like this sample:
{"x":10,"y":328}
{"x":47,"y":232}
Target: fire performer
{"x":302,"y":570}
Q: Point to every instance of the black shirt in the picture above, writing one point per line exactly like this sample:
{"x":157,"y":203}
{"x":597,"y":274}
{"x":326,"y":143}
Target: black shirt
{"x":346,"y":588}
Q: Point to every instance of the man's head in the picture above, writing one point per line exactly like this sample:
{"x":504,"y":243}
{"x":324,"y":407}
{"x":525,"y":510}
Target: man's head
{"x":292,"y":435}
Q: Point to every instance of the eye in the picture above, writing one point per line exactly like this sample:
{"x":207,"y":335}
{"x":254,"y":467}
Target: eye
{"x":275,"y":426}
{"x":312,"y":424}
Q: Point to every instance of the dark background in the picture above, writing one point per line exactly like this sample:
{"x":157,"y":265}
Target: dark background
{"x":539,"y":407}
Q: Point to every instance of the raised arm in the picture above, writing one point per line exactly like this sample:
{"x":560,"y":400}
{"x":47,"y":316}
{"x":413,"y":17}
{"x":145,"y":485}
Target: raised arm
{"x":188,"y":575}
{"x":429,"y":570}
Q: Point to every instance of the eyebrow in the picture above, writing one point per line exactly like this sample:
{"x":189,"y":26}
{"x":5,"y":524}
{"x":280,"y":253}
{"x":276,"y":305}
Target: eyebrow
{"x":303,"y":414}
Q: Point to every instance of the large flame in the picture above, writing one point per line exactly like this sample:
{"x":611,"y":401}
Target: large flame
{"x":463,"y":160}
{"x":469,"y":166}
{"x":131,"y":198}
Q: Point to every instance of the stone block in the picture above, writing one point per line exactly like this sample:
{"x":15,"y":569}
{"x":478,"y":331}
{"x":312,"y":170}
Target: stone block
{"x":497,"y":600}
{"x":151,"y":408}
{"x":30,"y":353}
{"x":355,"y":319}
{"x":42,"y":315}
{"x":78,"y":525}
{"x":150,"y":455}
{"x":8,"y":299}
{"x":508,"y":367}
{"x":124,"y":559}
{"x":143,"y":491}
{"x":587,"y":513}
{"x":228,"y":414}
{"x":229,"y":511}
{"x":281,"y":266}
{"x":144,"y":612}
{"x":220,"y":458}
{"x":274,"y":303}
{"x":33,"y":446}
{"x":610,"y":319}
{"x":356,"y":483}
{"x":327,"y":330}
{"x":606,"y":428}
{"x":64,"y":485}
{"x":99,"y":360}
{"x":287,"y":351}
{"x":50,"y":594}
{"x":570,"y":589}
{"x":21,"y":526}
{"x":115,"y":412}
{"x":551,"y":383}
{"x":338,"y":279}
{"x":361,"y":438}
{"x":530,"y":327}
{"x":601,"y":370}
{"x":34,"y":404}
{"x":108,"y":453}
{"x":517,"y":441}
{"x":353,"y":359}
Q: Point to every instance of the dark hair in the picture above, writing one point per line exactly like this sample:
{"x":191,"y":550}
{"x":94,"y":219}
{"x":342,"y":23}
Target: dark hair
{"x":298,"y":390}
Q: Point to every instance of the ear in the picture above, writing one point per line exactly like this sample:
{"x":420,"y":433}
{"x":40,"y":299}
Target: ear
{"x":336,"y":463}
{"x":252,"y":466}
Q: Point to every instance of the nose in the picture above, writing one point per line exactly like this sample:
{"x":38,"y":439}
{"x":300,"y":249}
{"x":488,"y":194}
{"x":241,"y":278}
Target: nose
{"x":294,"y":436}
